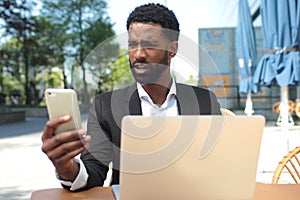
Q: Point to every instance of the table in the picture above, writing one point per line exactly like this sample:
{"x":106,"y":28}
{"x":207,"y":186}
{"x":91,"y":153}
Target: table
{"x":262,"y":192}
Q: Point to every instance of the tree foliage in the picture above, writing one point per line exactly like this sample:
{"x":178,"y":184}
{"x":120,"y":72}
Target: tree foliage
{"x":11,"y":65}
{"x":18,"y":23}
{"x":84,"y":24}
{"x":117,"y":74}
{"x":49,"y":48}
{"x":16,"y":15}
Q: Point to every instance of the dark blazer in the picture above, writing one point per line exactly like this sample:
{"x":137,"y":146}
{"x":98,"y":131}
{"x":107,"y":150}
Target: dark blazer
{"x":105,"y":118}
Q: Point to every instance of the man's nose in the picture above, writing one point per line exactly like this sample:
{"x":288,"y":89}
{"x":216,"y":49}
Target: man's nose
{"x":140,"y":52}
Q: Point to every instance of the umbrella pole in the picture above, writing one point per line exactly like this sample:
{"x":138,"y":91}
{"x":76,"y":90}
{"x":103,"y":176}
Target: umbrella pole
{"x":284,"y":118}
{"x":298,"y":94}
{"x":249,"y":105}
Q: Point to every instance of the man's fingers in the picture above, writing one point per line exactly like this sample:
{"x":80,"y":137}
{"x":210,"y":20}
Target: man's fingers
{"x":51,"y":125}
{"x":68,"y":156}
{"x":62,"y":139}
{"x":65,"y":149}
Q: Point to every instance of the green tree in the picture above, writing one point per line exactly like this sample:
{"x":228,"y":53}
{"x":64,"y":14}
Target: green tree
{"x":117,"y":74}
{"x":42,"y":53}
{"x":51,"y":46}
{"x":102,"y":50}
{"x":76,"y":19}
{"x":18,"y":23}
{"x":11,"y":65}
{"x":193,"y":80}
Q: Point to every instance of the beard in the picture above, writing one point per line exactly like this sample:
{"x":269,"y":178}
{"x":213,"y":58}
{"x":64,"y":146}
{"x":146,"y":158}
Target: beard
{"x":147,"y":73}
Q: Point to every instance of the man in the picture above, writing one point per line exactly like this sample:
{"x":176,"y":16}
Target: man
{"x":153,"y":33}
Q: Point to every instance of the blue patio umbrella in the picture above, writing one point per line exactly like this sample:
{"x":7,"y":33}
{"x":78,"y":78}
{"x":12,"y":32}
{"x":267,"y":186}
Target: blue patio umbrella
{"x":281,"y":38}
{"x":246,"y":53}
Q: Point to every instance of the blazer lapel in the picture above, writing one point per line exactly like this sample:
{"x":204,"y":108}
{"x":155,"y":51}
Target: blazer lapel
{"x":187,"y":100}
{"x":133,"y":101}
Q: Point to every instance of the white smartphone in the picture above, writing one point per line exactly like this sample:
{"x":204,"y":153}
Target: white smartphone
{"x":63,"y":102}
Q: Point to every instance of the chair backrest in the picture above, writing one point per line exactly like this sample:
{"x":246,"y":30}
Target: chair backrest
{"x":291,"y":163}
{"x":276,"y":107}
{"x":297,"y":109}
{"x":226,"y":111}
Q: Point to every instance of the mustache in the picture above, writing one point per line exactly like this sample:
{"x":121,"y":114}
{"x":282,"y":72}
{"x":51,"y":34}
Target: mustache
{"x":140,"y":62}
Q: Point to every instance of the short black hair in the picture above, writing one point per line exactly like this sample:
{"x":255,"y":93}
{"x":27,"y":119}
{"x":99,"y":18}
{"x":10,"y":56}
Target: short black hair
{"x":156,"y":14}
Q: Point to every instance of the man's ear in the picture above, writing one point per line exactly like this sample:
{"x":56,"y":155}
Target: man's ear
{"x":173,"y":47}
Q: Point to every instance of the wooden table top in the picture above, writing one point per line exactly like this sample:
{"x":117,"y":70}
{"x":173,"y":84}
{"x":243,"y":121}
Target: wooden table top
{"x":262,"y":192}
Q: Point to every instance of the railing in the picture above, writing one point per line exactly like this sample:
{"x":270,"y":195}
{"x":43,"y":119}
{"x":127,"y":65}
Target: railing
{"x":266,"y":98}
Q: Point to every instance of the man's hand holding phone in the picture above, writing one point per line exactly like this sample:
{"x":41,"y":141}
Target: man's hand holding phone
{"x":63,"y":138}
{"x":62,"y":148}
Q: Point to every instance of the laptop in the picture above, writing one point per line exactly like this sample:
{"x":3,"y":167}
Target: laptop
{"x":189,"y":157}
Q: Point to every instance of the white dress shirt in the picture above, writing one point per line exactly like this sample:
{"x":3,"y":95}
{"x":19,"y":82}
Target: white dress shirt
{"x":149,"y":109}
{"x":168,"y":108}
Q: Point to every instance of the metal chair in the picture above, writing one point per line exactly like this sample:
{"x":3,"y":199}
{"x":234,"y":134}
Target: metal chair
{"x":226,"y":111}
{"x":297,"y":109}
{"x":291,"y":163}
{"x":276,"y":107}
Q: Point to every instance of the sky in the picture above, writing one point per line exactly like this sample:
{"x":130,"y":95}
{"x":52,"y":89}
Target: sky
{"x":191,"y":14}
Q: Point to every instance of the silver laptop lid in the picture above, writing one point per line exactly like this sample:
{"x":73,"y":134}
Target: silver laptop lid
{"x":194,"y":157}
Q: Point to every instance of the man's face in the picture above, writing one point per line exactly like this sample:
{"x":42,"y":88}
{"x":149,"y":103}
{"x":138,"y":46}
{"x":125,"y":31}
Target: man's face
{"x":148,"y":52}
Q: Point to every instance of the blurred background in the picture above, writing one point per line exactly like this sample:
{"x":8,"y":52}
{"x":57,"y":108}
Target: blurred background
{"x":50,"y":43}
{"x":81,"y":44}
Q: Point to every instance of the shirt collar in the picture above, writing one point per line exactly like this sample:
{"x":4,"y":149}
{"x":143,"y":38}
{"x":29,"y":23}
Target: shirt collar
{"x":143,"y":94}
